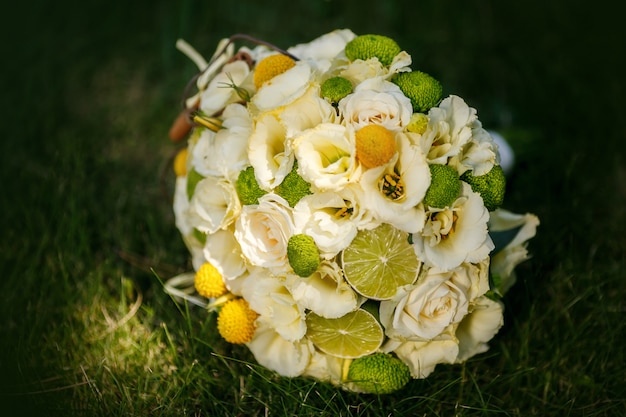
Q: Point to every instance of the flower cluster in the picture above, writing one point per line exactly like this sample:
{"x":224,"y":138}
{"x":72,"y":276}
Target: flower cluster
{"x":348,"y":214}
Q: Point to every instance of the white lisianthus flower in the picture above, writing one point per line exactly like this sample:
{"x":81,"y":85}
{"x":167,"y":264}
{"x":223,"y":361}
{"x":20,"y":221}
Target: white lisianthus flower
{"x":269,"y":296}
{"x":325,"y":367}
{"x":324,"y":292}
{"x":220,"y":92}
{"x":306,"y":112}
{"x":181,"y":206}
{"x":263,"y":231}
{"x":214,"y":205}
{"x":479,"y":327}
{"x":393,"y":192}
{"x":224,"y":153}
{"x":505,"y":259}
{"x":283,"y":88}
{"x":270,"y":152}
{"x":272,"y":351}
{"x":376,"y":101}
{"x":422,"y":357}
{"x":327,"y":218}
{"x":449,"y":129}
{"x":426,"y":309}
{"x":327,"y":156}
{"x":456,"y":234}
{"x":222,"y":250}
{"x":479,"y":154}
{"x":322,"y":50}
{"x":360,"y":70}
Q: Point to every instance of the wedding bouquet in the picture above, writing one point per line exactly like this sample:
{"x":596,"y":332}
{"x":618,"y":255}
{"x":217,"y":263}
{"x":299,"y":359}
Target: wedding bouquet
{"x":343,"y":217}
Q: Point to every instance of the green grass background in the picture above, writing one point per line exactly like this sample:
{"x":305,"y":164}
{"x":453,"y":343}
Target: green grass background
{"x":88,"y":92}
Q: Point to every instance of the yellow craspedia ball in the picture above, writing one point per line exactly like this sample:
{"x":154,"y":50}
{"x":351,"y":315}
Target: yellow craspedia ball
{"x":180,"y":163}
{"x":209,"y":282}
{"x":236,"y":321}
{"x":375,"y":145}
{"x":270,"y":67}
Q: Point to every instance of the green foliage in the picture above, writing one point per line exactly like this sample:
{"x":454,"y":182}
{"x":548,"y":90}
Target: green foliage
{"x":293,"y":187}
{"x":444,"y":188}
{"x":248,"y":188}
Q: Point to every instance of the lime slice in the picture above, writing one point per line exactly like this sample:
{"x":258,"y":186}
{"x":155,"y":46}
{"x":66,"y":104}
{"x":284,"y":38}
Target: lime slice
{"x":352,"y":335}
{"x":379,"y":261}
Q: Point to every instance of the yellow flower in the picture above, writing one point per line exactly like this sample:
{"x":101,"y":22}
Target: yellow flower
{"x":375,"y":146}
{"x":236,"y":321}
{"x":180,"y":163}
{"x":209,"y":282}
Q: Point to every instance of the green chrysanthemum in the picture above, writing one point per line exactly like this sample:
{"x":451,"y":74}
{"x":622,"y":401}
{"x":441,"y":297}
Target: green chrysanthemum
{"x":293,"y":187}
{"x":445,"y":186}
{"x":423,"y":90}
{"x":303,"y":254}
{"x":490,"y":186}
{"x":336,"y":88}
{"x":379,"y":373}
{"x":372,"y":46}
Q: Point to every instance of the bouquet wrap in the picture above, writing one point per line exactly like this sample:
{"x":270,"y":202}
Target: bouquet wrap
{"x":343,"y":216}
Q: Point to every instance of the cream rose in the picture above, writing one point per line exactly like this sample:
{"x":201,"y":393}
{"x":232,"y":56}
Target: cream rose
{"x":376,"y":101}
{"x":263,"y":231}
{"x":425,"y":310}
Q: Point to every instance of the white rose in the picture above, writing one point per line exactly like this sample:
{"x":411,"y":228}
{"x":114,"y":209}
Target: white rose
{"x":479,"y":327}
{"x":423,"y":357}
{"x":456,"y":234}
{"x":269,"y":152}
{"x":269,"y":296}
{"x":376,"y":101}
{"x":324,"y":292}
{"x":263,"y":231}
{"x":393,"y":191}
{"x":327,"y":156}
{"x":274,"y":352}
{"x":214,"y":205}
{"x":425,"y":310}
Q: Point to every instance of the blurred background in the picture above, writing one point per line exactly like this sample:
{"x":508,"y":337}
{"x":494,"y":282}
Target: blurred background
{"x":88,"y":93}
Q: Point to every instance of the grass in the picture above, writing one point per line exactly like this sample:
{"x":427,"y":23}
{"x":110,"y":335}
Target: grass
{"x":89,"y":93}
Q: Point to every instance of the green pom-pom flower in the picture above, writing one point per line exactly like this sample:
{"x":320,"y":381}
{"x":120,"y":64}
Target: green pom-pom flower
{"x":379,"y":373}
{"x":248,"y":188}
{"x":445,"y":186}
{"x":423,"y":90}
{"x":303,"y":255}
{"x":372,"y":46}
{"x":293,"y":187}
{"x":490,"y":186}
{"x":336,"y":88}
